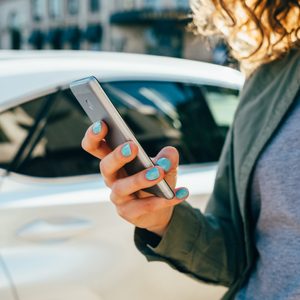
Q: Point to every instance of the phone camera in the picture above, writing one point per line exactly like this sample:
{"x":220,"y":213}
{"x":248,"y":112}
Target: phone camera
{"x":89,"y":104}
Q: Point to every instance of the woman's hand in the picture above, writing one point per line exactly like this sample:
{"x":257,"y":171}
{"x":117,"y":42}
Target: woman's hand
{"x":137,"y":207}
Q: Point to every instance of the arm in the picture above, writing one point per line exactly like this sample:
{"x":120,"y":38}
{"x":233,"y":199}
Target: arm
{"x":207,"y":246}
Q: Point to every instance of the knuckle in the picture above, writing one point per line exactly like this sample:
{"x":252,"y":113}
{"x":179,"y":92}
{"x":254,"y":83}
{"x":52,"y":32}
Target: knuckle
{"x":105,"y":174}
{"x":117,"y":188}
{"x":112,"y":197}
{"x":102,"y":166}
{"x":85,"y":146}
{"x":140,"y":181}
{"x":107,"y":182}
{"x":148,"y":207}
{"x":121,"y":211}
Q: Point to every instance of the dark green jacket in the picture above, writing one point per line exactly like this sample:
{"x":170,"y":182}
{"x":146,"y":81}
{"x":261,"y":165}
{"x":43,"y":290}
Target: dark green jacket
{"x":218,"y":246}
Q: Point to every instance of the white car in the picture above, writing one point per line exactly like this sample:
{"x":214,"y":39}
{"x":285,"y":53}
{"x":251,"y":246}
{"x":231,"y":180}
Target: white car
{"x":60,"y":236}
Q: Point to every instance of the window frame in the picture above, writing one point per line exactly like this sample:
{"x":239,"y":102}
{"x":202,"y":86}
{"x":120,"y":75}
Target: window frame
{"x":94,"y":8}
{"x":70,"y":7}
{"x":37,"y":10}
{"x":51,"y":9}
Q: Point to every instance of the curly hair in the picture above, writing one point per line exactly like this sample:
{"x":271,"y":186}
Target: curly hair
{"x":257,"y":31}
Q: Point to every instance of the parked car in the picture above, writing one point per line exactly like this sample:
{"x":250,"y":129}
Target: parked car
{"x":60,"y":236}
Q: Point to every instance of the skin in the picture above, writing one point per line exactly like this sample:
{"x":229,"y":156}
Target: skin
{"x":149,"y":212}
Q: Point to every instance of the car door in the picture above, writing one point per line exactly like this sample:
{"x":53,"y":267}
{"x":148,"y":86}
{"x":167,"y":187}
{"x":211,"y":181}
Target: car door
{"x":63,"y":239}
{"x":7,"y":290}
{"x":2,"y":174}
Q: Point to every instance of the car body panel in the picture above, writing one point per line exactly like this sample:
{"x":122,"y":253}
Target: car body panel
{"x":7,"y":291}
{"x":104,"y":236}
{"x":45,"y":72}
{"x":2,"y":175}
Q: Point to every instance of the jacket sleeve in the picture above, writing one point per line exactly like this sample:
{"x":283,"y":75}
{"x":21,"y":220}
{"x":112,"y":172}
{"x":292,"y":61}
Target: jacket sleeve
{"x":204,"y":246}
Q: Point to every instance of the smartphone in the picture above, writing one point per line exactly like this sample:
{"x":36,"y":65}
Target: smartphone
{"x":97,"y":106}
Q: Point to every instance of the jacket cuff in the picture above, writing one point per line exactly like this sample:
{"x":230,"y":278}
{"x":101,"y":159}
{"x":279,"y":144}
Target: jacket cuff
{"x":178,"y":240}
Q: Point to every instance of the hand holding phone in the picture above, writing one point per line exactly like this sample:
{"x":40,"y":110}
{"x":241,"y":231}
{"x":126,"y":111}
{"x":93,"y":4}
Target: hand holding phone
{"x":97,"y":106}
{"x":132,"y":204}
{"x":140,"y":209}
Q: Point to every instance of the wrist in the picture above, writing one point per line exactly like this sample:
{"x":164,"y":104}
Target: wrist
{"x":160,"y":231}
{"x":163,"y":226}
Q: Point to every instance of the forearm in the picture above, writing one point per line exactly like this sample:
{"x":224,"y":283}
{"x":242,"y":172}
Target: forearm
{"x":193,"y":244}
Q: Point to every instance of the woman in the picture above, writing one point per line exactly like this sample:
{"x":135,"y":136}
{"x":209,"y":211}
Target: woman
{"x":249,"y":237}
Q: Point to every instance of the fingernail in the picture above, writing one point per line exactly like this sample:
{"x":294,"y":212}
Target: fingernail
{"x":126,"y":150}
{"x":152,"y":174}
{"x":182,"y":193}
{"x":97,"y":127}
{"x":164,"y":163}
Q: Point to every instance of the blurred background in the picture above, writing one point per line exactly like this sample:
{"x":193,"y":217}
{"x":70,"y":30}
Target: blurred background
{"x":138,"y":26}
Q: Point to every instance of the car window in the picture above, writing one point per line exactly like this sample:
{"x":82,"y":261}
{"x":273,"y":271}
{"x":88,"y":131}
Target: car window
{"x":15,"y":124}
{"x":222,"y":103}
{"x":193,"y":118}
{"x":59,"y":143}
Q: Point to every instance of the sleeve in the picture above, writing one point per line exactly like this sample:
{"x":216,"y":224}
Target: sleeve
{"x":204,"y":246}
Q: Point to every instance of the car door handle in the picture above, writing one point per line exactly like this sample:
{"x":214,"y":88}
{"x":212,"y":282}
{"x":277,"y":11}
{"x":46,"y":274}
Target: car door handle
{"x":53,"y":229}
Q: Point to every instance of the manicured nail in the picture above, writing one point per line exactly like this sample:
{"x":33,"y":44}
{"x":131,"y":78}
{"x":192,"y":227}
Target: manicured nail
{"x":182,"y":193}
{"x":126,"y":151}
{"x":164,"y":163}
{"x":97,"y":127}
{"x":152,"y":174}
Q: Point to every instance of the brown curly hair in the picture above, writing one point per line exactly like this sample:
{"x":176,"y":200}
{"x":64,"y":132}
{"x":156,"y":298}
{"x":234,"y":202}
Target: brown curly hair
{"x":257,"y":31}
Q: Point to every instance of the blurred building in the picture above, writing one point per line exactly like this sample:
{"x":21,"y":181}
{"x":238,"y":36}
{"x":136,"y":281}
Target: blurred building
{"x":139,"y":26}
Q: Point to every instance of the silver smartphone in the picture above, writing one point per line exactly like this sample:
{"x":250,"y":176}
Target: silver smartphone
{"x":97,"y":106}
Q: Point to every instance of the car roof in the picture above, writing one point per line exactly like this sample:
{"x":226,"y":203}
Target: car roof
{"x":28,"y":74}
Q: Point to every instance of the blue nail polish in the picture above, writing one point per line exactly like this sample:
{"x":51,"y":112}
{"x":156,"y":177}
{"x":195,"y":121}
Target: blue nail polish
{"x":182,"y":193}
{"x":164,"y":163}
{"x":152,"y":174}
{"x":126,"y":151}
{"x":97,"y":127}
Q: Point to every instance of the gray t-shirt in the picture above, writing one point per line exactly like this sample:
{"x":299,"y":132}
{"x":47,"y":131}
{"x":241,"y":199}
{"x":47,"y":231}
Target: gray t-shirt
{"x":275,"y":203}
